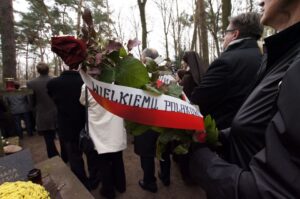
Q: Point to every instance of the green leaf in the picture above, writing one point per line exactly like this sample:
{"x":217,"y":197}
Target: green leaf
{"x":160,"y":148}
{"x":211,"y":130}
{"x":107,"y":74}
{"x":114,"y":56}
{"x":136,"y":129}
{"x":181,"y":149}
{"x":150,"y":88}
{"x":174,"y":89}
{"x":131,"y":72}
{"x":158,"y":129}
{"x":151,"y":66}
{"x":122,"y":52}
{"x":165,"y":137}
{"x":154,"y":76}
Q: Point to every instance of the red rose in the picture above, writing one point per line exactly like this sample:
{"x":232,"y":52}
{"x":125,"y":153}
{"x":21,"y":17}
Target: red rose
{"x":200,"y":137}
{"x":159,"y":83}
{"x":72,"y":51}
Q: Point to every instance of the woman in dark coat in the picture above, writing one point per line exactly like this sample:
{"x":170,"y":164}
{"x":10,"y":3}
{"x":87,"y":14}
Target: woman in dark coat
{"x":264,"y":158}
{"x":190,"y":77}
{"x":194,"y":72}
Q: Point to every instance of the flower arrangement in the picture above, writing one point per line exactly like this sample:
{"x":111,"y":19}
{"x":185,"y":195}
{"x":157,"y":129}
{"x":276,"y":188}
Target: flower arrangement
{"x":115,"y":64}
{"x":23,"y":190}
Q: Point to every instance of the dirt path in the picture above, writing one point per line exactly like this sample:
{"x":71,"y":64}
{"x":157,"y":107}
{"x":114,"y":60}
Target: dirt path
{"x":177,"y":189}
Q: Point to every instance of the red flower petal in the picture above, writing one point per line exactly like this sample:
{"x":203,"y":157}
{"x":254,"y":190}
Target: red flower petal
{"x":72,"y":51}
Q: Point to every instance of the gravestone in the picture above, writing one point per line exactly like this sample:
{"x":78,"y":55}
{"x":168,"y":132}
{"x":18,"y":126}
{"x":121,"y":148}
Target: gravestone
{"x":16,"y":166}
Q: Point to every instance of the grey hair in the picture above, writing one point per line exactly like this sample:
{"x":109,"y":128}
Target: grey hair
{"x":150,"y":53}
{"x":248,"y":25}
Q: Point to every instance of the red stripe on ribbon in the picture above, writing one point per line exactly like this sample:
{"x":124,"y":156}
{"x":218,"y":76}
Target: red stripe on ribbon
{"x":151,"y":117}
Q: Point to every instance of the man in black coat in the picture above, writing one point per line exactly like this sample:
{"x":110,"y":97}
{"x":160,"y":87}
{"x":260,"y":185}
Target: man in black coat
{"x":266,"y":123}
{"x":65,"y":91}
{"x":227,"y":81}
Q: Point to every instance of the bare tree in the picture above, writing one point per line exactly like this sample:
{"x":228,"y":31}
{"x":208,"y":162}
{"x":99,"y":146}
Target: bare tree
{"x":136,"y":26}
{"x":196,"y":23}
{"x":165,"y":7}
{"x":78,"y":28}
{"x":250,"y":5}
{"x":142,"y":6}
{"x":118,"y":28}
{"x":203,"y":32}
{"x":214,"y":18}
{"x":226,"y":12}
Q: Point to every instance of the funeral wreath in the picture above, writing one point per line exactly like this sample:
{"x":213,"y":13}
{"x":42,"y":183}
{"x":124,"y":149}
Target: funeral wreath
{"x":116,"y":65}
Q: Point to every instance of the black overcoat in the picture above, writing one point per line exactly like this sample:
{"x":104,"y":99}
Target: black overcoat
{"x":65,"y":91}
{"x":228,"y":81}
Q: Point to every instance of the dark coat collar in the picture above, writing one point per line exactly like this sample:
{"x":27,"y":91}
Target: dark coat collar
{"x":70,"y":72}
{"x":279,"y":44}
{"x":246,"y":43}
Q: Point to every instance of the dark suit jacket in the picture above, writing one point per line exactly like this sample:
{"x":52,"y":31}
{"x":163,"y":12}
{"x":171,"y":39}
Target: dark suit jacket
{"x":46,"y":114}
{"x":65,"y":91}
{"x":227,"y":82}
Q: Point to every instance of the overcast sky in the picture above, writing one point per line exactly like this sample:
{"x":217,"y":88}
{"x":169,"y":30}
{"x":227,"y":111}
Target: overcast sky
{"x":129,"y":12}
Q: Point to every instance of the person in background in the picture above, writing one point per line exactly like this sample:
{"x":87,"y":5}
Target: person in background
{"x":145,"y":144}
{"x":266,"y":132}
{"x":65,"y":91}
{"x":109,"y":137}
{"x":194,"y":71}
{"x":189,"y":77}
{"x":6,"y":120}
{"x":20,"y":109}
{"x":228,"y":80}
{"x":45,"y":110}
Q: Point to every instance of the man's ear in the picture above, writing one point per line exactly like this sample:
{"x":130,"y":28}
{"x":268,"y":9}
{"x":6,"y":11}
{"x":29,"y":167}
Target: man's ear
{"x":236,"y":34}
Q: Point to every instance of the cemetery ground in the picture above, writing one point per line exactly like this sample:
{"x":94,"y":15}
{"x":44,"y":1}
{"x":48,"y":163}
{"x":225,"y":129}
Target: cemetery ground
{"x":177,"y":189}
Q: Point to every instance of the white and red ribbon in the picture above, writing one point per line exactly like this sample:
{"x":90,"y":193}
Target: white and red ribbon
{"x":144,"y":107}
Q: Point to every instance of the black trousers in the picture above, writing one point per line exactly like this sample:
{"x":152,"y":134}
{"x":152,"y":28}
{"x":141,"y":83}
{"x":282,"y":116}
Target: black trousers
{"x":76,"y":160}
{"x":247,"y":187}
{"x":148,"y":166}
{"x":112,"y":171}
{"x":93,"y":167}
{"x":63,"y":152}
{"x":49,"y":137}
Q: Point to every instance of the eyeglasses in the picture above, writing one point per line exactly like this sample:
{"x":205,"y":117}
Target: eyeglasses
{"x":227,"y":31}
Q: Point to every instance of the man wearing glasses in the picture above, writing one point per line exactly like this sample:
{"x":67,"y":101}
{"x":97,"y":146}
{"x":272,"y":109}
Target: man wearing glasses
{"x":228,"y":79}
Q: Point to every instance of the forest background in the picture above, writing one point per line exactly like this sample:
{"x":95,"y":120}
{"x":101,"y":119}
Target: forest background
{"x":170,"y":26}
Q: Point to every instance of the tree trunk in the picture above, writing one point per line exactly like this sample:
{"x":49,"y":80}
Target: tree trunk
{"x":107,"y":19}
{"x":250,"y":5}
{"x":196,"y":19}
{"x":79,"y":16}
{"x":142,"y":5}
{"x":203,"y":32}
{"x":8,"y":38}
{"x":226,"y":12}
{"x":174,"y":40}
{"x":216,"y":41}
{"x":167,"y":46}
{"x":55,"y":66}
{"x":179,"y":48}
{"x":26,"y":62}
{"x":213,"y":27}
{"x":194,"y":39}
